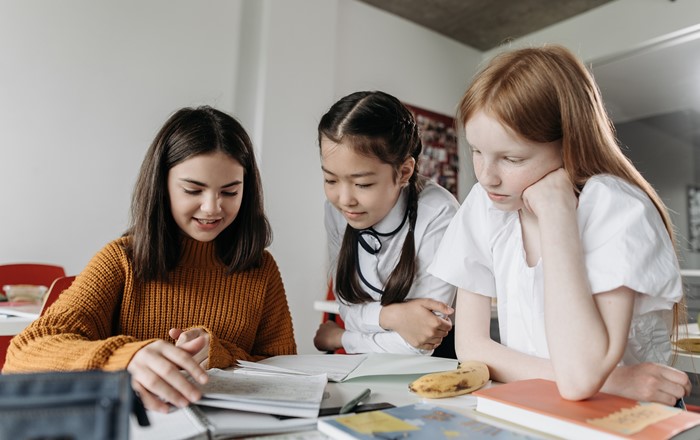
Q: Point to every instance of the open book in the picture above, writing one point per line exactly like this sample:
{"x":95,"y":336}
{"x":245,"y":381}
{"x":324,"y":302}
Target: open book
{"x":239,"y":403}
{"x":345,"y":367}
{"x":267,"y":392}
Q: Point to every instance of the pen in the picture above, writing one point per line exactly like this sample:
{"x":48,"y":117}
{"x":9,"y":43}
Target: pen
{"x":348,"y":407}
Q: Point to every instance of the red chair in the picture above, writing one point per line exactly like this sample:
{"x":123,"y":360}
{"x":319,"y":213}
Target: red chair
{"x":30,"y":273}
{"x":4,"y":345}
{"x":330,"y":296}
{"x":57,"y":287}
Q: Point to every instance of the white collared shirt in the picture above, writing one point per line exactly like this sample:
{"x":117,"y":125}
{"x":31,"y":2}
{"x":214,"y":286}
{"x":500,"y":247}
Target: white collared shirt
{"x":625,"y":243}
{"x":436,"y":207}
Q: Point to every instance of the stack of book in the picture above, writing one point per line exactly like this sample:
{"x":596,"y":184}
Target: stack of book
{"x":536,"y":404}
{"x":521,"y":410}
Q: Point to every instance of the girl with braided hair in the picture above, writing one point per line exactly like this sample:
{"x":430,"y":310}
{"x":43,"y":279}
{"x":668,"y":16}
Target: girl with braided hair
{"x":384,"y":222}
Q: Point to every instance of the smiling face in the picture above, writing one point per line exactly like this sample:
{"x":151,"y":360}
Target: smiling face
{"x":506,"y":164}
{"x":205,"y":194}
{"x":362,"y":188}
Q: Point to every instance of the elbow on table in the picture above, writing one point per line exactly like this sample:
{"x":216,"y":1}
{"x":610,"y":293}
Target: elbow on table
{"x":578,"y":388}
{"x":470,"y":351}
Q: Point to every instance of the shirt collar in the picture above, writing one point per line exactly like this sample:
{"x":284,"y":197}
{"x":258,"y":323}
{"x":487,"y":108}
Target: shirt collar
{"x":394,"y":218}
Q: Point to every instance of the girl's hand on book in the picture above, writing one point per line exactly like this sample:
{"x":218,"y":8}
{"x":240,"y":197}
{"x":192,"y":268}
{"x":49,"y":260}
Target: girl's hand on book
{"x":420,"y":322}
{"x":187,"y":341}
{"x":156,"y":377}
{"x":648,"y":382}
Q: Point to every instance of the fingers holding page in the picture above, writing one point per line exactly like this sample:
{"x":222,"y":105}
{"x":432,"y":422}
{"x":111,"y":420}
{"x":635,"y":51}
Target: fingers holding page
{"x":195,"y":341}
{"x":156,"y":374}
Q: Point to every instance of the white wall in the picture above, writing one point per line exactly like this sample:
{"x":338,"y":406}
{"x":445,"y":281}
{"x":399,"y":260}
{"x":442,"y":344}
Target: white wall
{"x":377,"y":50}
{"x":303,"y":64}
{"x":289,"y":82}
{"x":85,"y":85}
{"x":662,"y":148}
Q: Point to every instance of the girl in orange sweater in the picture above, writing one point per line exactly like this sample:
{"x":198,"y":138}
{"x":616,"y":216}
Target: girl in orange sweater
{"x":189,"y":286}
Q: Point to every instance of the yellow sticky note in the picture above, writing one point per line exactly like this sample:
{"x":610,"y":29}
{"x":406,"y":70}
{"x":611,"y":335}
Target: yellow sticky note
{"x":375,"y":421}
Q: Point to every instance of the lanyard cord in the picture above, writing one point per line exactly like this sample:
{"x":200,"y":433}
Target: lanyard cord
{"x":371,"y":250}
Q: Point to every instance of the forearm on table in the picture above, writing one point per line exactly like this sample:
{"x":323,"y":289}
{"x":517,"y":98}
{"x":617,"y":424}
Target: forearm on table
{"x":583,"y":347}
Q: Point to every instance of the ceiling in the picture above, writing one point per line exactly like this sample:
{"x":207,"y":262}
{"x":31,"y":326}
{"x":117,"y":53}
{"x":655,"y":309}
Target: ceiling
{"x":484,"y":24}
{"x":657,"y":79}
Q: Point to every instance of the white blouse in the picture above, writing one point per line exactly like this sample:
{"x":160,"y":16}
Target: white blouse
{"x":436,"y":207}
{"x":625,"y":243}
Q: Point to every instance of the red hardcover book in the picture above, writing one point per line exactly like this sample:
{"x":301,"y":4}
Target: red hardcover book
{"x":536,"y":404}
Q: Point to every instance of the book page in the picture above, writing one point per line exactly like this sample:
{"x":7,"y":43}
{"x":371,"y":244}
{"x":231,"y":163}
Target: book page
{"x":242,"y":385}
{"x":271,"y":393}
{"x":226,"y":423}
{"x":342,"y":367}
{"x":257,"y":366}
{"x":382,"y":364}
{"x":336,"y":366}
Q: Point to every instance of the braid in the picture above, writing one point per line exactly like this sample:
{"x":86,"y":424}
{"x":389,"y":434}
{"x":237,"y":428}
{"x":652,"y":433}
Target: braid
{"x":376,"y":125}
{"x":347,"y":284}
{"x":401,"y":279}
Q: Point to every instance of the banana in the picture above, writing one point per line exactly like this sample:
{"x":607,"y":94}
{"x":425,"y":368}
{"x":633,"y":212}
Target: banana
{"x":468,"y":377}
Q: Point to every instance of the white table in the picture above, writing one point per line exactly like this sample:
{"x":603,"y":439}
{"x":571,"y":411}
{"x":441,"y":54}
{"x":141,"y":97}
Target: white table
{"x":12,"y":325}
{"x":392,"y":389}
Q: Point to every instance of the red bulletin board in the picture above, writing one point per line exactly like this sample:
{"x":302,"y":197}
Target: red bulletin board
{"x":440,"y":160}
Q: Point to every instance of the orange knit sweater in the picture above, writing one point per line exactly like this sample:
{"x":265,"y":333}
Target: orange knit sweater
{"x":106,"y":316}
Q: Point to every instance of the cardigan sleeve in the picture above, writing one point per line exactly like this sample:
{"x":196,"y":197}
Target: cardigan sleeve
{"x":75,"y":333}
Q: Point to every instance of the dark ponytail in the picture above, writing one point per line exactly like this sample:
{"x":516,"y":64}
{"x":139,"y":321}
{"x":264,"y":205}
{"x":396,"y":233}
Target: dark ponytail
{"x":379,"y":125}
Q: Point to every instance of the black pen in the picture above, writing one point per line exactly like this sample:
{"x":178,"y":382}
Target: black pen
{"x":348,"y":407}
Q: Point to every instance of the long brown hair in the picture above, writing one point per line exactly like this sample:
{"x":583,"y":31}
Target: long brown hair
{"x":546,"y":94}
{"x":376,"y":124}
{"x":155,"y":244}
